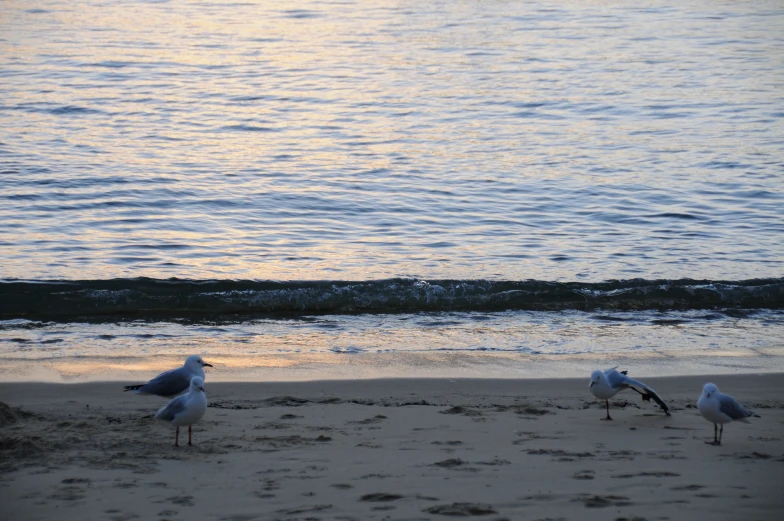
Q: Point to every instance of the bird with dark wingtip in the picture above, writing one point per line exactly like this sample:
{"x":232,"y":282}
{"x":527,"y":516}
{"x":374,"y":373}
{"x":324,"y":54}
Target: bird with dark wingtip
{"x":720,"y":408}
{"x":606,"y":384}
{"x":173,"y":382}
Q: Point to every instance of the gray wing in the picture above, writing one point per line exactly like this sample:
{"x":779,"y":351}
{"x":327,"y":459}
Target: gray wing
{"x":732,"y":408}
{"x":171,"y":410}
{"x":168,"y":383}
{"x":616,"y":379}
{"x":621,"y":381}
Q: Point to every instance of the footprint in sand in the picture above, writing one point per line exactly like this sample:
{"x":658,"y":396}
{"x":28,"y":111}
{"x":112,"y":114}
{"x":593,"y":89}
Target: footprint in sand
{"x":369,"y":421}
{"x":753,"y":455}
{"x":380,"y":497}
{"x":530,"y":410}
{"x":688,"y":487}
{"x":68,"y":493}
{"x":285,"y":401}
{"x":240,"y":517}
{"x":584,"y":474}
{"x":462,"y":411}
{"x":124,"y":517}
{"x":561,"y":455}
{"x":659,"y":474}
{"x":278,"y":442}
{"x":125,"y":484}
{"x":454,"y":464}
{"x":461,"y":510}
{"x":72,"y":481}
{"x":180,"y":500}
{"x":368,"y":445}
{"x":379,"y":476}
{"x":304,"y":509}
{"x":273,"y":426}
{"x":494,"y":461}
{"x":447,"y":445}
{"x":530,"y":436}
{"x":602,"y":501}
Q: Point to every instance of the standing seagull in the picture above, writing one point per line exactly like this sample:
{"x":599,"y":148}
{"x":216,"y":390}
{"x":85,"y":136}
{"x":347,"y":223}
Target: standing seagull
{"x":186,"y":409}
{"x":606,"y":384}
{"x":720,"y":408}
{"x":175,"y":381}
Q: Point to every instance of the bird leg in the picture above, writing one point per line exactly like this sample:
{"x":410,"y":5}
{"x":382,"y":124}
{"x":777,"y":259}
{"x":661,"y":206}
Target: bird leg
{"x":177,"y":437}
{"x":716,"y":440}
{"x":607,"y":403}
{"x":189,"y":435}
{"x":721,"y":431}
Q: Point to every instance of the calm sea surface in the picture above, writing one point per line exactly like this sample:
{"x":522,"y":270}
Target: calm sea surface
{"x":378,"y":140}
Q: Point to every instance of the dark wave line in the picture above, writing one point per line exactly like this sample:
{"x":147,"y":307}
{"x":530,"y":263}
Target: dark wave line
{"x":151,"y":298}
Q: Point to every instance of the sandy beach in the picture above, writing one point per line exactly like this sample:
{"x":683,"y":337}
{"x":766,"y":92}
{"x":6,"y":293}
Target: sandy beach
{"x":391,"y":449}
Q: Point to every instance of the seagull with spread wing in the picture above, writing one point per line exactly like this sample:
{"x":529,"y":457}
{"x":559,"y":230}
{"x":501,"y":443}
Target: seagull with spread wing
{"x":606,"y":384}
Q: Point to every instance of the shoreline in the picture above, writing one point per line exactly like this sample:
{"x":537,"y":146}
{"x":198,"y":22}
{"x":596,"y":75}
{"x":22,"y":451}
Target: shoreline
{"x":524,"y":383}
{"x":382,"y":449}
{"x":363,"y":366}
{"x":682,"y":390}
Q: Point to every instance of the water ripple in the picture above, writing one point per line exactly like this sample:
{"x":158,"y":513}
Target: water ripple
{"x":434,"y":140}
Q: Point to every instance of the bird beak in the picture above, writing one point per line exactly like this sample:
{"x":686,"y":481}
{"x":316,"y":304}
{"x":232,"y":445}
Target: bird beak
{"x":591,"y":385}
{"x":207,"y":365}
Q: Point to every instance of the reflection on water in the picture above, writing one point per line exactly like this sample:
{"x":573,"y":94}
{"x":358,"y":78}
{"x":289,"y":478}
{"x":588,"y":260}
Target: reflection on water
{"x":506,"y":344}
{"x":471,"y":141}
{"x":464,"y":140}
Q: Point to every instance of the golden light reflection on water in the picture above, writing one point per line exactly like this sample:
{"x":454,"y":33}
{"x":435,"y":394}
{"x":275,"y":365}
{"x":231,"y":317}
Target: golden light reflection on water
{"x":308,"y":367}
{"x":193,"y":119}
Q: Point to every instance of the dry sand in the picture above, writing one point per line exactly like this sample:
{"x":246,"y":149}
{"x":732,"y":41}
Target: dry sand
{"x":397,"y":449}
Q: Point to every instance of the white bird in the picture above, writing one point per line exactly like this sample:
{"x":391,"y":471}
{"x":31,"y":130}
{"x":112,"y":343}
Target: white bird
{"x":186,"y":409}
{"x":173,"y":382}
{"x":720,"y":408}
{"x":606,"y":384}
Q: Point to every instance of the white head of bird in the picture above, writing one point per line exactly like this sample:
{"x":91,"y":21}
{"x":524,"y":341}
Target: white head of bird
{"x":195,"y":364}
{"x":709,"y":390}
{"x":197,"y":384}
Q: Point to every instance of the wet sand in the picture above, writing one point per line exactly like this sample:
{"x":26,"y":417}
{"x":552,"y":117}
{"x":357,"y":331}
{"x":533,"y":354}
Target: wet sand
{"x":391,"y":450}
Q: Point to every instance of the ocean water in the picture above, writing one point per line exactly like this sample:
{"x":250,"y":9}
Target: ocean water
{"x":378,"y":188}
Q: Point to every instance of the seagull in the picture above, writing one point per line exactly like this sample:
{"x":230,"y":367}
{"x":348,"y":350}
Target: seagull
{"x":606,"y":384}
{"x":721,"y":408}
{"x":173,"y":382}
{"x":186,"y":409}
